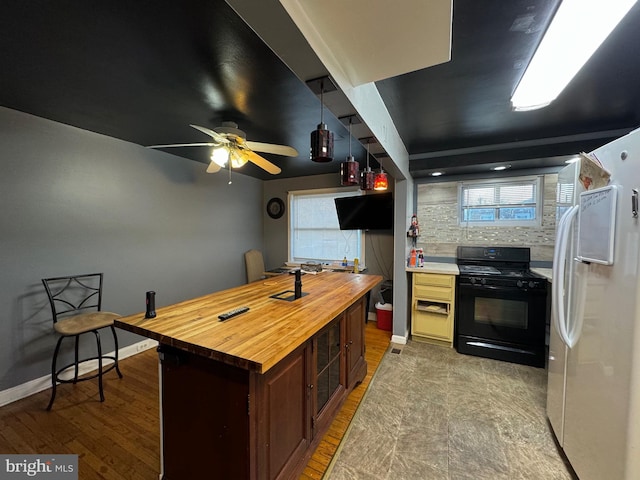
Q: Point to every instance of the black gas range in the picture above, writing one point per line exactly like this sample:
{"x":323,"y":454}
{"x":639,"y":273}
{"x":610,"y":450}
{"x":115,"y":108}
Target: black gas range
{"x":501,"y":308}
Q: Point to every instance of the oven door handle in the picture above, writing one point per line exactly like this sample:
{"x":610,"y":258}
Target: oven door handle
{"x":499,"y":288}
{"x":483,"y":287}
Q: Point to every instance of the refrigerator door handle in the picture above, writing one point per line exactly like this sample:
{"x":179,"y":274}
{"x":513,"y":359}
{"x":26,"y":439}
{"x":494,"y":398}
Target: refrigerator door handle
{"x":575,"y":329}
{"x":559,"y":269}
{"x":556,"y":286}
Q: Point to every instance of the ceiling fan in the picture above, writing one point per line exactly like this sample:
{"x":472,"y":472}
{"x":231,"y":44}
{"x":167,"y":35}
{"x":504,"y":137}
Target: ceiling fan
{"x":230,"y":145}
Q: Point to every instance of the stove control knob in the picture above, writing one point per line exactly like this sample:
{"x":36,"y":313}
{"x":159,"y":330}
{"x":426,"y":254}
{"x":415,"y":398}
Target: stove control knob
{"x":520,"y":284}
{"x":483,"y":281}
{"x":532,"y":284}
{"x":472,"y":280}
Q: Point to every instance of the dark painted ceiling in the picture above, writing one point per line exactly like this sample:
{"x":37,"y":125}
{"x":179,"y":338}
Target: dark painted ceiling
{"x":143,"y":71}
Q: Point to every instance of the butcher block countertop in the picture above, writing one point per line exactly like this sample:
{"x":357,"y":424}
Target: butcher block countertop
{"x":436,"y":267}
{"x":272,"y":328}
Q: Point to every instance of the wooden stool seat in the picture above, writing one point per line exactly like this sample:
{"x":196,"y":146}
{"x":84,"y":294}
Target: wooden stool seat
{"x":85,"y":322}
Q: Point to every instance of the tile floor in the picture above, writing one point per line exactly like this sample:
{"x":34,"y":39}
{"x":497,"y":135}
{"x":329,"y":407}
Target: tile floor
{"x":431,"y":413}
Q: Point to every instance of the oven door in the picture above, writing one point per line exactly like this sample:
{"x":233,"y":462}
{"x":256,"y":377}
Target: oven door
{"x":506,"y":323}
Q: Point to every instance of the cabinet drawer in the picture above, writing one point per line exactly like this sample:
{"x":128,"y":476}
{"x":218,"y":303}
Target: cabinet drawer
{"x":433,"y":279}
{"x":432,"y":325}
{"x":432,"y":293}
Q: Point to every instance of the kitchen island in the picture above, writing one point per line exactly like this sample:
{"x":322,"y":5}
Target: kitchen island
{"x":250,"y":397}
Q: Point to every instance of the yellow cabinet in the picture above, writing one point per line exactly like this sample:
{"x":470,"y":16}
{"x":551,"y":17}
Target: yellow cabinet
{"x":432,"y":309}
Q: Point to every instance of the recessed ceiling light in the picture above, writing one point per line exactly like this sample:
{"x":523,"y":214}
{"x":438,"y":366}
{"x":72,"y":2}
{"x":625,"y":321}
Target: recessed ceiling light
{"x":436,"y":174}
{"x":501,"y":167}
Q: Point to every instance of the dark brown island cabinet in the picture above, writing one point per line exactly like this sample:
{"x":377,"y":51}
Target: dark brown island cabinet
{"x":250,"y":397}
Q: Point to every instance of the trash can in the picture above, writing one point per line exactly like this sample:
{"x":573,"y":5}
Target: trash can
{"x":384,"y":316}
{"x":385,"y":294}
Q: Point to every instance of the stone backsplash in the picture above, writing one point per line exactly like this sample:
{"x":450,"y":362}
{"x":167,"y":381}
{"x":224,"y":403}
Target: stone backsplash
{"x":440,"y":232}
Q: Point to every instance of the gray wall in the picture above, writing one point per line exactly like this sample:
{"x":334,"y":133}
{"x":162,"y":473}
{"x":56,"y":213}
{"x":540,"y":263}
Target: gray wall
{"x":72,"y":201}
{"x":378,"y":246}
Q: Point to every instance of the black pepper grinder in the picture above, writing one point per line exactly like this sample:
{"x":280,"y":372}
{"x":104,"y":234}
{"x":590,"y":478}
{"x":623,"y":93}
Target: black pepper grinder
{"x":151,"y":305}
{"x":298,"y":284}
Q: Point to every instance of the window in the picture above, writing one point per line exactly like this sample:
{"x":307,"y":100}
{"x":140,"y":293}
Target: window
{"x":314,"y":233}
{"x":508,"y":202}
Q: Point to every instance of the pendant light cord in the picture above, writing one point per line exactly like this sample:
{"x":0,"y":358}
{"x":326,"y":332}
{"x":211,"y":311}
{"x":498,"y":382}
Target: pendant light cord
{"x":368,"y":142}
{"x":321,"y":102}
{"x":350,"y":118}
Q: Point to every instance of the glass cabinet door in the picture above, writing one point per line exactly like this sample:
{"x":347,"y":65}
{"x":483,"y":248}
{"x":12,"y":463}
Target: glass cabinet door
{"x":328,"y":364}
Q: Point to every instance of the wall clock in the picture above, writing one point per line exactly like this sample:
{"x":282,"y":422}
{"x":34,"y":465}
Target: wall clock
{"x":275,"y":207}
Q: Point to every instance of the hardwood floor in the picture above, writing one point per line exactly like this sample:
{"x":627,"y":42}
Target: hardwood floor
{"x":120,"y":438}
{"x":377,"y":342}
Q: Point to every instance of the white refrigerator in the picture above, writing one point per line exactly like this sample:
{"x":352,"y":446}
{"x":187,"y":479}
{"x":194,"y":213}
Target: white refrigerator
{"x":593,"y":392}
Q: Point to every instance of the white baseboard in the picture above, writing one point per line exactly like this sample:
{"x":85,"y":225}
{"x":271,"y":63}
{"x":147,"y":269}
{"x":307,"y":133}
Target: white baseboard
{"x":39,"y":384}
{"x":398,"y":339}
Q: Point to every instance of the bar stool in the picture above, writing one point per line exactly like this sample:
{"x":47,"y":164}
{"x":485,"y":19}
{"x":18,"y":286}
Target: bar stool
{"x":76,"y":303}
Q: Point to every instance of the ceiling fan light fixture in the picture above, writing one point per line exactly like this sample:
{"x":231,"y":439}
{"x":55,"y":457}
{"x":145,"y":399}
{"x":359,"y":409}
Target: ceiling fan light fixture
{"x":237,"y":159}
{"x":220,"y":155}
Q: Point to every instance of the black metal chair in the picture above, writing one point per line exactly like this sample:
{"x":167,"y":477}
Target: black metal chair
{"x":76,"y":303}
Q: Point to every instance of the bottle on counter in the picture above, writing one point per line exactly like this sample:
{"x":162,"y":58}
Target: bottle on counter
{"x":355,"y":265}
{"x":344,"y":262}
{"x":413,"y":258}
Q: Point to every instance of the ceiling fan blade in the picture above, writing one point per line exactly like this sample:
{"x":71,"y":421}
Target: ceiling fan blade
{"x":209,"y":144}
{"x":272,"y":148}
{"x":262,"y":162}
{"x":215,"y":135}
{"x":213,"y":167}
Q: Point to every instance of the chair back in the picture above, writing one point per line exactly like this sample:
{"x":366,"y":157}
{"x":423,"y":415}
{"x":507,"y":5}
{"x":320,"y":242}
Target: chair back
{"x":254,"y":264}
{"x":73,"y":294}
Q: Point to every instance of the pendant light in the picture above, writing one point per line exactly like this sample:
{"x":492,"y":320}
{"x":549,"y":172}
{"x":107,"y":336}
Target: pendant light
{"x":367,"y":176}
{"x":321,"y":137}
{"x":381,"y":181}
{"x":349,"y":170}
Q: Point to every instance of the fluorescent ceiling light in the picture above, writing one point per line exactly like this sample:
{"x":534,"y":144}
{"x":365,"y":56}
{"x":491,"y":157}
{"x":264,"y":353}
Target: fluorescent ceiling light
{"x":577,"y":30}
{"x":502,"y":167}
{"x":436,"y":174}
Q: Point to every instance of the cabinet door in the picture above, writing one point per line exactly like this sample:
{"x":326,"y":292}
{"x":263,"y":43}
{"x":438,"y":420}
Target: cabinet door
{"x":354,"y":342}
{"x":432,"y":324}
{"x":328,"y":378}
{"x":284,"y":432}
{"x":329,"y":383}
